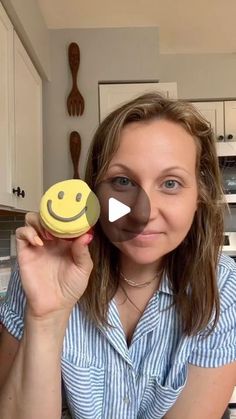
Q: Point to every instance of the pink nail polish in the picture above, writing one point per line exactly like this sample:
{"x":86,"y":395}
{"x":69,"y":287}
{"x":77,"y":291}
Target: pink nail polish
{"x":88,"y":240}
{"x":47,"y":235}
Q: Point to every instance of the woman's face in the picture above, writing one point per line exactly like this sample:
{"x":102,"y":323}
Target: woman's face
{"x":154,"y":173}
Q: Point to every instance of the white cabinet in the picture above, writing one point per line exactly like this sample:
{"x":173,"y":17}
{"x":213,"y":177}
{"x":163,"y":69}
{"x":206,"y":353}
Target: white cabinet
{"x":113,"y":95}
{"x":21,"y":171}
{"x":28,"y":173}
{"x":230,"y":123}
{"x":6,"y":109}
{"x":222,"y":116}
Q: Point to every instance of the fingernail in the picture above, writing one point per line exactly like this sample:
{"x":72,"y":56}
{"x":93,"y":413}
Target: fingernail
{"x":47,"y":235}
{"x":38,"y":241}
{"x":88,"y":239}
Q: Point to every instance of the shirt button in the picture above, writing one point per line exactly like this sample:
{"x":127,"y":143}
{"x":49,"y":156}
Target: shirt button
{"x":126,"y":400}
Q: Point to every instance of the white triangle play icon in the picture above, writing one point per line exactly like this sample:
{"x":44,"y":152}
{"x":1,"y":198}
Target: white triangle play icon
{"x":116,"y":209}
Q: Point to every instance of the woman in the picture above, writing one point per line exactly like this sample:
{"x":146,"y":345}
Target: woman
{"x":140,"y":324}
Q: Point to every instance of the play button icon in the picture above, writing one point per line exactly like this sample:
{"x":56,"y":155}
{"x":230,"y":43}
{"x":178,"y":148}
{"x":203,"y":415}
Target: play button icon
{"x":116,"y":209}
{"x":125,"y":209}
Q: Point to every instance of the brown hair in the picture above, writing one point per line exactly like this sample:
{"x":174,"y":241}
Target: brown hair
{"x":192,"y":267}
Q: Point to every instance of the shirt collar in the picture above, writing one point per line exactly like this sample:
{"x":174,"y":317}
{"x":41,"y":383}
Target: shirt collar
{"x":165,"y":286}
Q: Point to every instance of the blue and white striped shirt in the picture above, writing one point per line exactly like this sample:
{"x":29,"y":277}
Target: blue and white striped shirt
{"x":106,"y":379}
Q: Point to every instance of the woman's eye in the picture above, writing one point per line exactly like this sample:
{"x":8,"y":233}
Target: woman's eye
{"x":172,"y":185}
{"x":122,"y":181}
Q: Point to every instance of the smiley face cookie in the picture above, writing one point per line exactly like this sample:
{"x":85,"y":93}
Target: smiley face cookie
{"x":69,"y":208}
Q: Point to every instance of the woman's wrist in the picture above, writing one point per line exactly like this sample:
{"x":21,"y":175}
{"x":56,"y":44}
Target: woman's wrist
{"x":53,"y":324}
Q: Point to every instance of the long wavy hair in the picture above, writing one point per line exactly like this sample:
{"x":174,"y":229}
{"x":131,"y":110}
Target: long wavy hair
{"x":191,"y":268}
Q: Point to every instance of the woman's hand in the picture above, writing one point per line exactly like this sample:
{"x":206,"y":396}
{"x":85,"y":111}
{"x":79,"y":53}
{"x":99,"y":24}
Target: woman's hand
{"x":54,"y":272}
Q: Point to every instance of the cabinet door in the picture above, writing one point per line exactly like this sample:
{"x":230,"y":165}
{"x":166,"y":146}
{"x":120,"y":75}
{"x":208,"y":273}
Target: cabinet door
{"x":113,"y":95}
{"x":28,"y":129}
{"x":214,"y":113}
{"x":6,"y":109}
{"x":222,"y":116}
{"x":230,"y":127}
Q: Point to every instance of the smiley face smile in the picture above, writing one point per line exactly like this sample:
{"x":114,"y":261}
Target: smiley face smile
{"x":69,"y":208}
{"x":64,"y":219}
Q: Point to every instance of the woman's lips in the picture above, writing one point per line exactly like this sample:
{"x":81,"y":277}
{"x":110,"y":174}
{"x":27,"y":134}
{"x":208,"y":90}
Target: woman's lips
{"x":144,"y":235}
{"x":144,"y":232}
{"x":149,"y":232}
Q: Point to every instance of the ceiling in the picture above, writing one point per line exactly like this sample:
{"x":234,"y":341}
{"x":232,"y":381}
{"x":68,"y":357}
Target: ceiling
{"x":186,"y":26}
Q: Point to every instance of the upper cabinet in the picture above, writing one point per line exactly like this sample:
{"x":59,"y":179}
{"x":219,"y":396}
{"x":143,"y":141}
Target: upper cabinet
{"x":222,"y":116}
{"x":113,"y":95}
{"x":6,"y":109}
{"x":21,"y":170}
{"x":28,"y":174}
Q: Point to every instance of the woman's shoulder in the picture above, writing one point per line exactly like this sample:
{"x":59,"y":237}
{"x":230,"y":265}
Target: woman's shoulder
{"x":227,"y":262}
{"x":226,"y":276}
{"x":226,"y":269}
{"x":13,"y":306}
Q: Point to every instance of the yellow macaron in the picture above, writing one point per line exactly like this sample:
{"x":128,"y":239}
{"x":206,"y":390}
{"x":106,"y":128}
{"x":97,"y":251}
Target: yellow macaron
{"x":69,"y":208}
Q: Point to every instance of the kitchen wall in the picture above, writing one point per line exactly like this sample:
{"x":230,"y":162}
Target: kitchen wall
{"x":106,"y":54}
{"x":201,"y":76}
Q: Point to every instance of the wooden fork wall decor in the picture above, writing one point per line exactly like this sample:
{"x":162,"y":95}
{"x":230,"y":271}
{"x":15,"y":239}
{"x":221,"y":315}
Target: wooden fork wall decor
{"x":75,"y":149}
{"x":75,"y":101}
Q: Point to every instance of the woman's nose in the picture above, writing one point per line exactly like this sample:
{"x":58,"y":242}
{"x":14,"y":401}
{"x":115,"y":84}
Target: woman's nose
{"x":145,"y":206}
{"x":140,"y":208}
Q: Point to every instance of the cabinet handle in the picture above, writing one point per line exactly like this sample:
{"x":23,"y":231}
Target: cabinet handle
{"x":18,"y":191}
{"x":221,"y":138}
{"x":230,"y":137}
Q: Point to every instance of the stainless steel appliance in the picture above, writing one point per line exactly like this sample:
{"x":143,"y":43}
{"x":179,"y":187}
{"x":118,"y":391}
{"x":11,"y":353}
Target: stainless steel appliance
{"x":229,"y":247}
{"x":228,"y":170}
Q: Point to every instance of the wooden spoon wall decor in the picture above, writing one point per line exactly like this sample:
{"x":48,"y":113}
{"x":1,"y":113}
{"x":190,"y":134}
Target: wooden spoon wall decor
{"x":75,"y":149}
{"x":75,"y":101}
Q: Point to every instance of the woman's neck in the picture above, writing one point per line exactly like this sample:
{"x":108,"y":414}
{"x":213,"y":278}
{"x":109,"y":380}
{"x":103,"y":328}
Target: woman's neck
{"x":138,"y":273}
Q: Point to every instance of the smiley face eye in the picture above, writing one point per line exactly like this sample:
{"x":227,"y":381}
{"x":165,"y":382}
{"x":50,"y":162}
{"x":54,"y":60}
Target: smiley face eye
{"x":78,"y":197}
{"x":60,"y":195}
